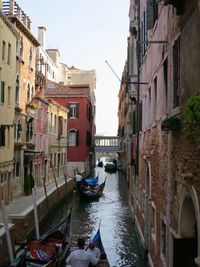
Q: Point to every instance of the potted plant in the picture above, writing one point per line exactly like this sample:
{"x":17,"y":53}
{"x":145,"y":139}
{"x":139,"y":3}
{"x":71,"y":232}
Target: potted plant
{"x":191,"y":117}
{"x":171,"y":124}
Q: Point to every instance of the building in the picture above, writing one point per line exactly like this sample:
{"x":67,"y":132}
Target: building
{"x":8,"y":40}
{"x":165,"y":193}
{"x":57,"y":141}
{"x":76,"y":99}
{"x":24,"y":93}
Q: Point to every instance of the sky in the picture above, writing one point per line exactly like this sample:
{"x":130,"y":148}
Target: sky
{"x":87,"y":33}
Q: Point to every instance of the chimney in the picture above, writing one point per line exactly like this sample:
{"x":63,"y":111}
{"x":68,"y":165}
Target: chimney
{"x":42,"y":36}
{"x":19,"y":13}
{"x":29,"y":23}
{"x":25,"y":19}
{"x":11,"y":7}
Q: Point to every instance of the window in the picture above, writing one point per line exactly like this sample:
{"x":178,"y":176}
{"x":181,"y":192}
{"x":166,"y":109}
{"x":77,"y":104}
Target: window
{"x":155,"y":99}
{"x":3,"y":50}
{"x":176,"y":73}
{"x":55,"y":124}
{"x":152,"y":13}
{"x":9,"y":54}
{"x":2,"y":136}
{"x":30,"y":56}
{"x":163,"y":238}
{"x":8,"y":135}
{"x":73,"y":136}
{"x":17,"y":90}
{"x":153,"y":220}
{"x":55,"y":160}
{"x":17,"y":168}
{"x":165,"y":70}
{"x":60,"y":125}
{"x":28,"y":94}
{"x":2,"y":93}
{"x":9,"y":94}
{"x":88,"y":138}
{"x":73,"y":110}
{"x":21,"y":47}
{"x":41,"y":142}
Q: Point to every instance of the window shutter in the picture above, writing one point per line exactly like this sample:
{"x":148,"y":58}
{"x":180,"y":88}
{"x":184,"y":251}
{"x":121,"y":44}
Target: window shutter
{"x":69,"y":111}
{"x":150,"y":22}
{"x":77,"y":138}
{"x":77,"y":110}
{"x":176,"y":72}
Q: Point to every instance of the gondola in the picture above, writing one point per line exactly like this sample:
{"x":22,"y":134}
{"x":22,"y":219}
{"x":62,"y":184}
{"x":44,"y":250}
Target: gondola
{"x":49,"y":250}
{"x":110,"y":167}
{"x":103,"y":262}
{"x":92,"y":193}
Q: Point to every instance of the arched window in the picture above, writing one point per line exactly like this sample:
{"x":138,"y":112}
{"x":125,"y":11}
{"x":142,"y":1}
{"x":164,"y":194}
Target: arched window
{"x":73,"y":136}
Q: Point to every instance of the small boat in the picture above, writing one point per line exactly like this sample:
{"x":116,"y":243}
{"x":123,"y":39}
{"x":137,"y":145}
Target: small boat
{"x":92,"y":193}
{"x":103,"y":262}
{"x":110,"y":167}
{"x":49,"y":250}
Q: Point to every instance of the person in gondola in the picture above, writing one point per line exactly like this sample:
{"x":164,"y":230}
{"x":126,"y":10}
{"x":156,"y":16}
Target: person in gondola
{"x":79,"y":179}
{"x":94,"y":250}
{"x":81,"y":257}
{"x":102,"y":261}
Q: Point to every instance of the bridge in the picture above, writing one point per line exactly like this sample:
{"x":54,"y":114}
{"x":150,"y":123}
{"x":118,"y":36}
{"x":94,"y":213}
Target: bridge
{"x":106,"y":145}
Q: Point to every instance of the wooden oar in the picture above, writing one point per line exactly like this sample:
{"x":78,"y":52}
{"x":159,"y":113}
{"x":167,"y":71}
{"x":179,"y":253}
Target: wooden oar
{"x":101,"y":194}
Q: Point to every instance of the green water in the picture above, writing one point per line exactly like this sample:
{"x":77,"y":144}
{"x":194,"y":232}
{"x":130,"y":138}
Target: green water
{"x":117,"y":228}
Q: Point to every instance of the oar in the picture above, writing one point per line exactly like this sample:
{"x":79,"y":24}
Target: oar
{"x":101,"y":194}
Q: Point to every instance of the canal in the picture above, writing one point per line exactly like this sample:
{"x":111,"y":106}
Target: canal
{"x":117,"y":228}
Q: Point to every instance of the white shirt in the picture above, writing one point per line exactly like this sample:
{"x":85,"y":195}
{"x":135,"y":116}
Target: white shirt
{"x":78,"y":178}
{"x":81,"y":258}
{"x":95,"y":252}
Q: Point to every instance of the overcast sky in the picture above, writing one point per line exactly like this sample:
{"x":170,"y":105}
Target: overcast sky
{"x":88,"y":32}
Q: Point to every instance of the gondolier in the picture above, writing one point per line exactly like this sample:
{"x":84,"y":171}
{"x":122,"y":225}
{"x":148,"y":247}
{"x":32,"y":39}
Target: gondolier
{"x":80,"y":257}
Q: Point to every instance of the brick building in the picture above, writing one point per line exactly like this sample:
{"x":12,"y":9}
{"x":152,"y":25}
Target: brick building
{"x":165,"y":195}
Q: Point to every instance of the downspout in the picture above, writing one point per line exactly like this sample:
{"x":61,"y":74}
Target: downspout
{"x":138,"y":93}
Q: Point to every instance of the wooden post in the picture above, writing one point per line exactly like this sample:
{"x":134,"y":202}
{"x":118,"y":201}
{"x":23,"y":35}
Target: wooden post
{"x":5,"y":221}
{"x":35,"y":212}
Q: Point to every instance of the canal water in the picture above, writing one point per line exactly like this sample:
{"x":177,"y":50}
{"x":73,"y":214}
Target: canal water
{"x":117,"y":227}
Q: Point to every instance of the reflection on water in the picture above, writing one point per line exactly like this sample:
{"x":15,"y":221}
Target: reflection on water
{"x":117,"y":228}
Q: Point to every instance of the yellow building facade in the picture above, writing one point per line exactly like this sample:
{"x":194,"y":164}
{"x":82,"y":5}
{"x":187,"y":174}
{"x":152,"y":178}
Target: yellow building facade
{"x":57,"y":138}
{"x":8,"y":40}
{"x":24,"y":92}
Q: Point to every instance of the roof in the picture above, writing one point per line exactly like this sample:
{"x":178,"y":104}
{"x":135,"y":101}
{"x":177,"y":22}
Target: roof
{"x":60,"y":90}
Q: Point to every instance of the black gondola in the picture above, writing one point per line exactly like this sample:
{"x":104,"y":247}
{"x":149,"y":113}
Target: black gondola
{"x":49,"y":250}
{"x":92,"y":193}
{"x":103,"y":262}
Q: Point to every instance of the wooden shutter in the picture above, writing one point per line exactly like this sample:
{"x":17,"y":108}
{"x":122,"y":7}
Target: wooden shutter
{"x":150,"y":21}
{"x":77,"y":110}
{"x":77,"y":138}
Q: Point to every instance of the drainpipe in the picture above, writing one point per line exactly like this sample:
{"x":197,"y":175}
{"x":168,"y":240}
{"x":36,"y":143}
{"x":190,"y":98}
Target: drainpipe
{"x":138,"y":93}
